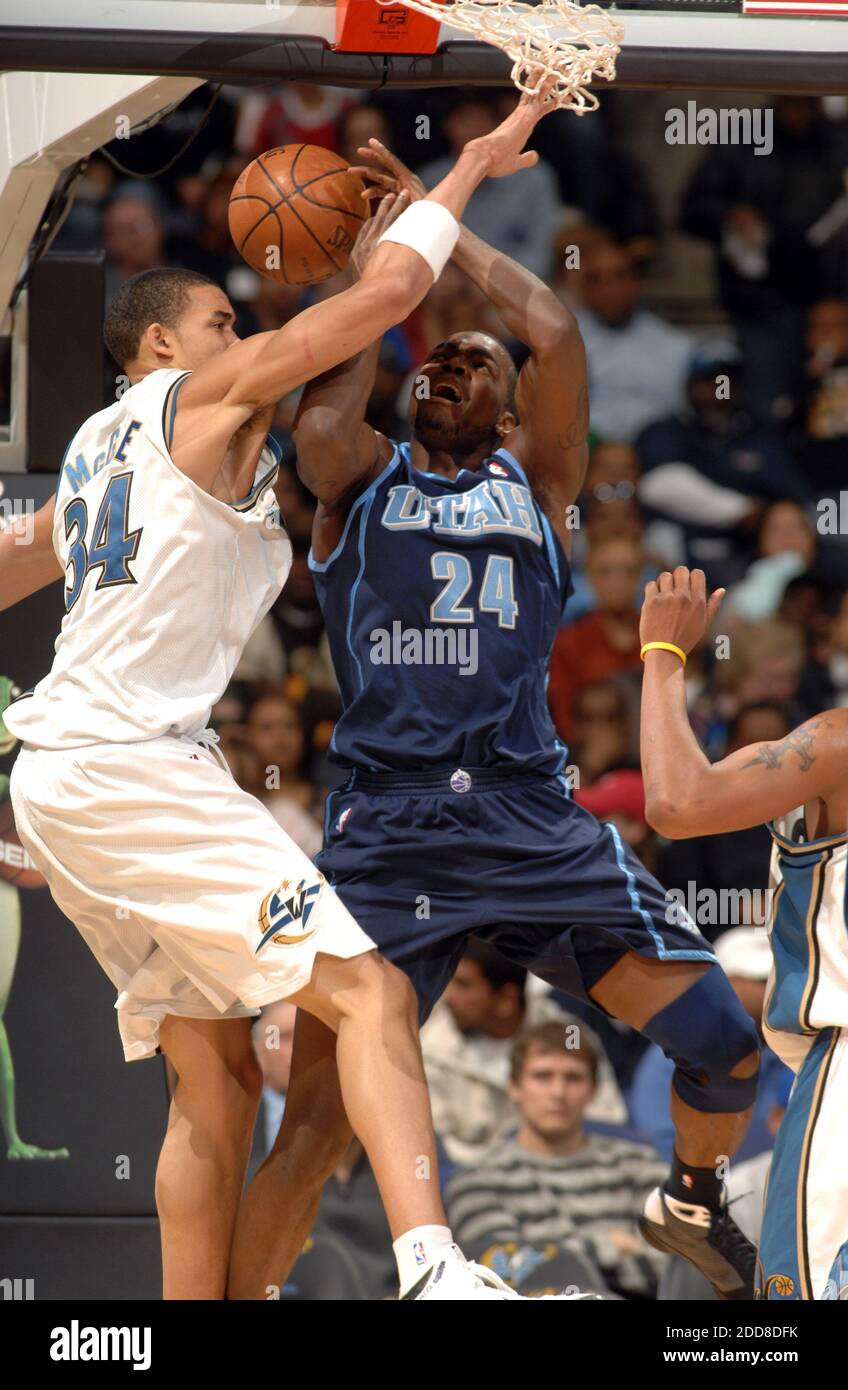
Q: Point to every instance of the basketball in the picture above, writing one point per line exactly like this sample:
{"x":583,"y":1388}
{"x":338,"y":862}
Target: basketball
{"x":16,"y":867}
{"x":295,"y":212}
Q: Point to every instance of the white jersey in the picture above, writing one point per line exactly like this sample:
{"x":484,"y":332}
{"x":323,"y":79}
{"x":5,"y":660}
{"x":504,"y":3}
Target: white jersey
{"x":164,"y":583}
{"x":807,"y":991}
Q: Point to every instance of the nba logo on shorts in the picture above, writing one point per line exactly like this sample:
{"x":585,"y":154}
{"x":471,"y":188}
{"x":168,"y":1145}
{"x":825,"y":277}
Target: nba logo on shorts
{"x":288,"y":907}
{"x":418,"y":1252}
{"x":340,"y":823}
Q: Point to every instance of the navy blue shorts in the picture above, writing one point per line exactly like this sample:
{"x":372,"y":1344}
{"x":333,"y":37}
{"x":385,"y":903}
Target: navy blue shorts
{"x":512,"y":859}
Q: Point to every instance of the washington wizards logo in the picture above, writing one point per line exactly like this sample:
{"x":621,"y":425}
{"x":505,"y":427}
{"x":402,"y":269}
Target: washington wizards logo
{"x":287,"y":907}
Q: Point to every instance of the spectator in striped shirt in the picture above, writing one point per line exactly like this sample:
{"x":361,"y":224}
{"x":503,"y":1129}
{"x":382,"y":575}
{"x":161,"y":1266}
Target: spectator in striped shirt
{"x":553,"y":1184}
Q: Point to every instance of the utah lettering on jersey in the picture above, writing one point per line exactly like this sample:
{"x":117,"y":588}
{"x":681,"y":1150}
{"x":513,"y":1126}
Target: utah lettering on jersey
{"x":493,"y":507}
{"x":77,"y":471}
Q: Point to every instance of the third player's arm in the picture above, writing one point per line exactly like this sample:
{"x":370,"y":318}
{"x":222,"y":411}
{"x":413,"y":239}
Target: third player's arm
{"x":27,"y":565}
{"x":685,"y":794}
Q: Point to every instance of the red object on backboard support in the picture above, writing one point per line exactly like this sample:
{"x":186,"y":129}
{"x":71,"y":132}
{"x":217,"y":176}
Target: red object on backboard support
{"x":364,"y":26}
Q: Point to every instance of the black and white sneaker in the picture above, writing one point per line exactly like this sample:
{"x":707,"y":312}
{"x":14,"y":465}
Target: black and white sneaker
{"x":710,"y":1240}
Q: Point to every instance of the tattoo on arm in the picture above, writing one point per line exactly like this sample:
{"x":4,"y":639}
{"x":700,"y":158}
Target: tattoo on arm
{"x":800,"y":741}
{"x":578,"y":429}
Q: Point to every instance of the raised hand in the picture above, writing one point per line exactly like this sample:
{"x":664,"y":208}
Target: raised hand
{"x":503,"y":147}
{"x":676,"y":608}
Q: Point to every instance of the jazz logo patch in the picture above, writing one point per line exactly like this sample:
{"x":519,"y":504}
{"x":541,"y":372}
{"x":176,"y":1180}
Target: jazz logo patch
{"x":285,"y":912}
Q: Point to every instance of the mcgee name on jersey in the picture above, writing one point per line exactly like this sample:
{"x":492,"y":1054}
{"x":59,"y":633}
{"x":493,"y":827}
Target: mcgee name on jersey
{"x":493,"y":507}
{"x":76,"y":471}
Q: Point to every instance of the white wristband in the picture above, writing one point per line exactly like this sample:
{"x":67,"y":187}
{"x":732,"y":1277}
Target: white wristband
{"x":429,"y":229}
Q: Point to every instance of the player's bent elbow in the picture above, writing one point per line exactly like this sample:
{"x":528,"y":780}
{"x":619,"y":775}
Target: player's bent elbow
{"x":556,"y":329}
{"x":665,"y":817}
{"x":322,"y":444}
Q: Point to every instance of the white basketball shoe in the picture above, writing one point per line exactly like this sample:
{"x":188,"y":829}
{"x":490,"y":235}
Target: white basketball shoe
{"x":453,"y":1278}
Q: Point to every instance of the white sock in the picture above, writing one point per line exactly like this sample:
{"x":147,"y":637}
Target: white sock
{"x":416,"y":1251}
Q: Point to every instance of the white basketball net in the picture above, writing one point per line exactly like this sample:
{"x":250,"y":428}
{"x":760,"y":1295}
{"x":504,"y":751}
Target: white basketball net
{"x":572,"y":43}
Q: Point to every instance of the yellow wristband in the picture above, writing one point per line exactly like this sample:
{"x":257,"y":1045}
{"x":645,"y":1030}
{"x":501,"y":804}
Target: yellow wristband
{"x":663,"y":647}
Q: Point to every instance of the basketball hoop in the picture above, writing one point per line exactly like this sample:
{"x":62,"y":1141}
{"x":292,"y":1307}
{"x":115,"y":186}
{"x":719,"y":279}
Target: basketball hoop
{"x":572,"y":43}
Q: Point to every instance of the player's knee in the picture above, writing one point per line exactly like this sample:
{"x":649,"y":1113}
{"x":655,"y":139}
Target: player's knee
{"x":713,"y":1043}
{"x":749,"y":1066}
{"x":384,"y":991}
{"x":226,"y":1090}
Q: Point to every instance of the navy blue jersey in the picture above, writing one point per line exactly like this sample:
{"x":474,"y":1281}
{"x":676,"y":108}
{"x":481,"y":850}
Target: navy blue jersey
{"x":442,"y":601}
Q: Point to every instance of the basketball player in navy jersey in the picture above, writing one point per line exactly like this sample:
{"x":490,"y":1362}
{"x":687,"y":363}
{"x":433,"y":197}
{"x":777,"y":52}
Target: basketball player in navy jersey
{"x":442,"y":569}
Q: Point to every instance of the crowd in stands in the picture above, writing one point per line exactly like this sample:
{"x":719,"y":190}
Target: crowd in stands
{"x":716,"y":442}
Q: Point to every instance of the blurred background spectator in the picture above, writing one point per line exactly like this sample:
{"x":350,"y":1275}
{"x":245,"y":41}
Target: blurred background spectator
{"x":467,"y":1043}
{"x":765,"y":218}
{"x":637,"y":363}
{"x":552,"y":1185}
{"x":605,"y":641}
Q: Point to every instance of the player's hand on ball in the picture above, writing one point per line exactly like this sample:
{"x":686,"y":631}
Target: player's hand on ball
{"x":388,"y":211}
{"x":676,"y":608}
{"x":388,"y":175}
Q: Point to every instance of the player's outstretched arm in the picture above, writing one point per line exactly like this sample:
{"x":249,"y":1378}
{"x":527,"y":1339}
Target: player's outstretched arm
{"x":552,"y":395}
{"x":27,"y":564}
{"x":685,"y":794}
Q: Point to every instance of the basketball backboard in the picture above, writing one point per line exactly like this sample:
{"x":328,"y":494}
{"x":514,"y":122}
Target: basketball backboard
{"x":668,"y":43}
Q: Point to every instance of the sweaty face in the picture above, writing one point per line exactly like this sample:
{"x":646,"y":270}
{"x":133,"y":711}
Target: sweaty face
{"x":205,"y":328}
{"x":460,"y":393}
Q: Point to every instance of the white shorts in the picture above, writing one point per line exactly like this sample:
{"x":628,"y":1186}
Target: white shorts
{"x":191,"y":897}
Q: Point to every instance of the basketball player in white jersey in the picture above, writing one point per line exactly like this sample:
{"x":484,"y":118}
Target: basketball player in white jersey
{"x":799,"y":786}
{"x":166,"y":529}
